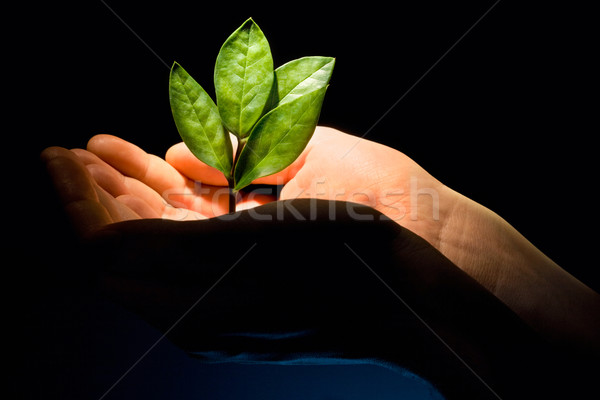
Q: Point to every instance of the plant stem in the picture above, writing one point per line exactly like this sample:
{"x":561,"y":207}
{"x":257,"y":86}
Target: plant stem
{"x":232,"y":197}
{"x":231,"y":181}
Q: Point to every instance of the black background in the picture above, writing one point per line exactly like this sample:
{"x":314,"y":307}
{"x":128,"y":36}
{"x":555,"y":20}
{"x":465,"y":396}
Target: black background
{"x":506,"y":117}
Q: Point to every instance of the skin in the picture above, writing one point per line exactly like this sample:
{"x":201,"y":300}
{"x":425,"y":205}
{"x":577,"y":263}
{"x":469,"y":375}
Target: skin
{"x":121,"y":182}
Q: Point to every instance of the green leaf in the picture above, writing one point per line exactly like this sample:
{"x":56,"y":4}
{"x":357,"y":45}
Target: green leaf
{"x":279,"y":138}
{"x":243,"y":78}
{"x":198,"y":122}
{"x":302,"y":76}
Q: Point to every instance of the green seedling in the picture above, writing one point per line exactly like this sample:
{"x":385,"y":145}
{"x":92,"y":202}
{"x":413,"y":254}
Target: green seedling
{"x":272,"y":113}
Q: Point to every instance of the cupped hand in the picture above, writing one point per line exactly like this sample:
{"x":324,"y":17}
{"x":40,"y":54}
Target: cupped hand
{"x":298,"y":303}
{"x":130,"y":183}
{"x":338,"y":166}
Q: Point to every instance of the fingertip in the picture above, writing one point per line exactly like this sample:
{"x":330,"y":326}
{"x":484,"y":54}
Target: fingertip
{"x":112,"y":148}
{"x":49,"y":153}
{"x":88,"y":157}
{"x":99,"y":141}
{"x":53,"y":152}
{"x":70,"y":177}
{"x":174,"y":152}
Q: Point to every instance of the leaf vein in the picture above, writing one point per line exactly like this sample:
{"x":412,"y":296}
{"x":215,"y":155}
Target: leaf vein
{"x":257,"y":60}
{"x":288,"y":130}
{"x":307,"y":78}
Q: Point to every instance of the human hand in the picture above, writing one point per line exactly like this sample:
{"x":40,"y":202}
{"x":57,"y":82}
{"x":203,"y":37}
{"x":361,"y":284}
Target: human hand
{"x":334,"y":166}
{"x":298,"y":284}
{"x":130,"y":183}
{"x":284,"y":290}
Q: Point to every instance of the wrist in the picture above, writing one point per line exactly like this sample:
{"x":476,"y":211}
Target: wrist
{"x":472,"y":238}
{"x":544,"y":295}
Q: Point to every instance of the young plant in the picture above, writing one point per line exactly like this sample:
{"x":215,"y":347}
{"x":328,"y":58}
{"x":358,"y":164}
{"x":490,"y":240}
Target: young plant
{"x":272,"y":113}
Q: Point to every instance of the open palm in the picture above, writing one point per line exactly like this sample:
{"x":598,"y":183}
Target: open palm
{"x":129,"y":183}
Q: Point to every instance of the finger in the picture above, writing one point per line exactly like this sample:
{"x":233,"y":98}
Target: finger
{"x":76,"y":191}
{"x":138,"y":206}
{"x":109,"y":179}
{"x":120,"y":185}
{"x":139,"y":197}
{"x":88,"y":157}
{"x":118,"y":210}
{"x":133,"y":162}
